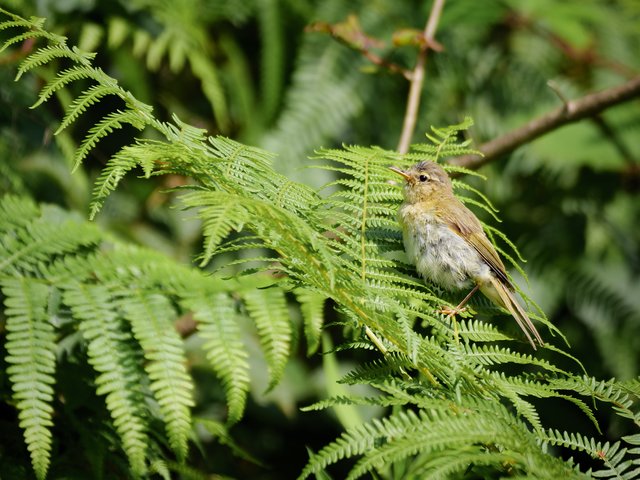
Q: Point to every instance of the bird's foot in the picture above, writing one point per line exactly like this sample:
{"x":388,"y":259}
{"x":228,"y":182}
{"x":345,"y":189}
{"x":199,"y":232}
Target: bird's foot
{"x":452,"y":312}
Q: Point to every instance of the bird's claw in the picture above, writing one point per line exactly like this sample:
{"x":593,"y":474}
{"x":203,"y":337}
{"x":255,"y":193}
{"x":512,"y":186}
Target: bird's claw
{"x":452,"y":312}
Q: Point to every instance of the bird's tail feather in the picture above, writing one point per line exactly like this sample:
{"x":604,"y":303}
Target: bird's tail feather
{"x":507,"y":300}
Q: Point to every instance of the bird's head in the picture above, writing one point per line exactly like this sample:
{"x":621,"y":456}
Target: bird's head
{"x":424,"y":181}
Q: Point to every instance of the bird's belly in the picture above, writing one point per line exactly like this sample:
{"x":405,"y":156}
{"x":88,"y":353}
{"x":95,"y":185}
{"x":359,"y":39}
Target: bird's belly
{"x":443,"y":257}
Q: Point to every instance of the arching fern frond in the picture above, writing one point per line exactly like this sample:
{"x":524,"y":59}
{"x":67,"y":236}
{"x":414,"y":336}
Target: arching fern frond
{"x":47,"y":54}
{"x":33,"y":26}
{"x":90,"y":96}
{"x":113,"y":121}
{"x":279,"y":229}
{"x":70,"y":75}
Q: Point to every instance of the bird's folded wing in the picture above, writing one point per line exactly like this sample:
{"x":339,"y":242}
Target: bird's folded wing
{"x":463,"y":222}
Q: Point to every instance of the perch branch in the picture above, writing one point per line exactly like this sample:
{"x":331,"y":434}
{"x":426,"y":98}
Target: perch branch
{"x":572,"y":111}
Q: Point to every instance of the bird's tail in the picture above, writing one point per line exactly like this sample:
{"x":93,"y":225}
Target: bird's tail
{"x":502,"y":295}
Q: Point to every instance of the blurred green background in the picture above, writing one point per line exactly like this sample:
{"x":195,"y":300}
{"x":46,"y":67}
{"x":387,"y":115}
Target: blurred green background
{"x":249,"y":70}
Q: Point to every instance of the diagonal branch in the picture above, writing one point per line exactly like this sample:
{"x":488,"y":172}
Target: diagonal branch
{"x":572,"y":111}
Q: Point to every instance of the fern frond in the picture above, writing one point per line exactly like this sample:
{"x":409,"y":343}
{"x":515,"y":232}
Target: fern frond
{"x":288,"y":234}
{"x":72,"y":74}
{"x":33,"y":26}
{"x":268,"y":309}
{"x":494,"y":355}
{"x":358,"y":440}
{"x":479,"y":331}
{"x":89,"y":97}
{"x":407,"y":434}
{"x":111,"y":122}
{"x":31,"y":355}
{"x":611,"y":454}
{"x":481,"y":205}
{"x":339,"y":400}
{"x":219,"y":218}
{"x":217,"y":325}
{"x":118,"y":366}
{"x":605,"y":391}
{"x":24,"y":248}
{"x":115,"y":170}
{"x":312,"y":308}
{"x":47,"y":54}
{"x":385,"y":367}
{"x":16,"y":213}
{"x":151,"y":317}
{"x":444,"y":143}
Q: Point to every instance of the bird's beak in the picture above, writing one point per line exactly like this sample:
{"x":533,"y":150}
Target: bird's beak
{"x":400,"y":172}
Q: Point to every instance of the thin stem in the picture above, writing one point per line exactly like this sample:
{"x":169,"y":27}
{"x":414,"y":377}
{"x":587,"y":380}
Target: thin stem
{"x":417,"y":78}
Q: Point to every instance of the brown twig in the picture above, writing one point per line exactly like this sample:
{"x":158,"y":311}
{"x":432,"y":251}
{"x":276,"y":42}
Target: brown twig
{"x":350,"y":33}
{"x":572,"y":111}
{"x":417,"y":78}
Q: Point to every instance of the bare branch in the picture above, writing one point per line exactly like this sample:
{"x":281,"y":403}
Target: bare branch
{"x":417,"y":78}
{"x":572,"y":111}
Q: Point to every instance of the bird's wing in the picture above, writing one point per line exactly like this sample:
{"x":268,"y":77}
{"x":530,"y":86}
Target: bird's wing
{"x":462,"y":221}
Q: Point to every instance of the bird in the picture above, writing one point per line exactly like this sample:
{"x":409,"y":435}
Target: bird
{"x":448,"y":246}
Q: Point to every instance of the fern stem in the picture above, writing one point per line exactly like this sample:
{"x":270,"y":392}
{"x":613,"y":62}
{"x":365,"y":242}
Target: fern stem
{"x":363,"y":226}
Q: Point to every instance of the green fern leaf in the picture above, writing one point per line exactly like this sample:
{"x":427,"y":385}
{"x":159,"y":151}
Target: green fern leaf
{"x":217,"y":325}
{"x":312,"y":308}
{"x":151,"y":317}
{"x":268,"y":309}
{"x":89,"y":97}
{"x":47,"y":54}
{"x":111,"y":122}
{"x":612,"y":455}
{"x":120,"y":376}
{"x":69,"y":75}
{"x":31,"y":355}
{"x":23,"y":249}
{"x":16,"y":213}
{"x":220,"y":215}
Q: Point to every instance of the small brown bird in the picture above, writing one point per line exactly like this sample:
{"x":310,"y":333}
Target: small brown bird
{"x":448,"y":246}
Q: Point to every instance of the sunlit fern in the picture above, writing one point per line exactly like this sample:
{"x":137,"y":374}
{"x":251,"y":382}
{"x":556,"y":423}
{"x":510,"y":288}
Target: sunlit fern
{"x":461,"y":409}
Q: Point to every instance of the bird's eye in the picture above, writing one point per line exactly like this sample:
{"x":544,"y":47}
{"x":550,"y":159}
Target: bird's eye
{"x":423,"y":178}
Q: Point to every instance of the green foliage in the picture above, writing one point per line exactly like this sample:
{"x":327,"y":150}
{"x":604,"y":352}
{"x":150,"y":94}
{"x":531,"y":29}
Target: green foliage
{"x":465,"y":396}
{"x":124,"y":302}
{"x":30,"y":352}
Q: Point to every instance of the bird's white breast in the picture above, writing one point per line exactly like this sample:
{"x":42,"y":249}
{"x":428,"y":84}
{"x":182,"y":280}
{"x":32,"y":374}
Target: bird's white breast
{"x":439,"y":254}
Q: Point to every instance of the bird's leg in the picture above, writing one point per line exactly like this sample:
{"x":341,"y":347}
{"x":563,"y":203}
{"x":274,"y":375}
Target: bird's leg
{"x":453,"y":312}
